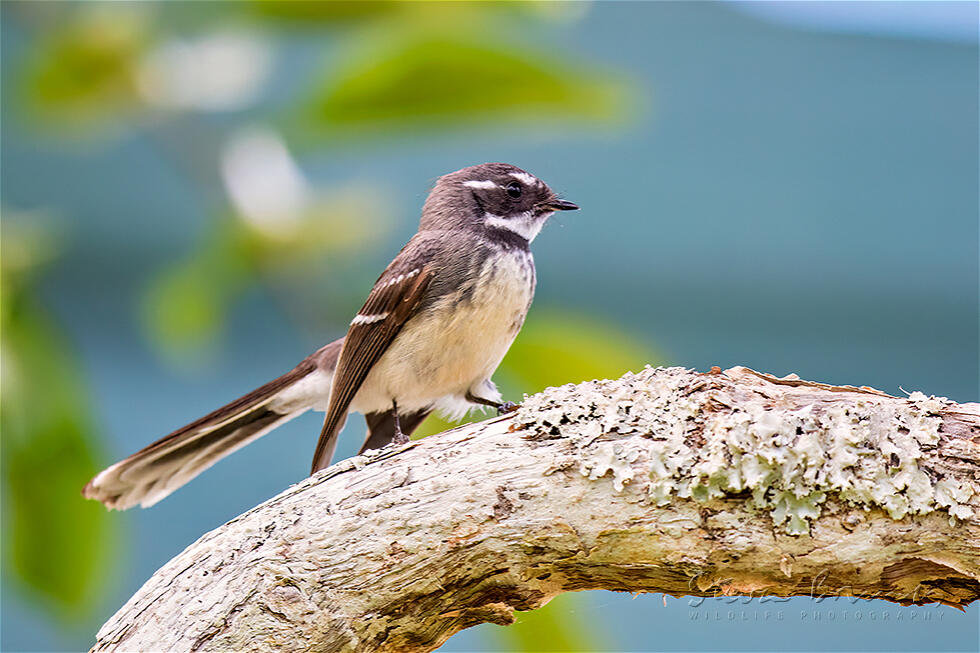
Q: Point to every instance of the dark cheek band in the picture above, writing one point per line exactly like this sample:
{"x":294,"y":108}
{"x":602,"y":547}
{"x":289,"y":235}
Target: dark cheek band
{"x":479,"y":203}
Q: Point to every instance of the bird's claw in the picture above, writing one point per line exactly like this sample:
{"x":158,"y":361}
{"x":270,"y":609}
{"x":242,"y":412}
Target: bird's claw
{"x":400,"y":439}
{"x":507,"y":407}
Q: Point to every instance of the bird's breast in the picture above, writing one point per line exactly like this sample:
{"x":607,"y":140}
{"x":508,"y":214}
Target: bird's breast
{"x":459,"y":340}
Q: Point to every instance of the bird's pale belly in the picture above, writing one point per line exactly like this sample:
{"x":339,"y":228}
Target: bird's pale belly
{"x":454,"y":346}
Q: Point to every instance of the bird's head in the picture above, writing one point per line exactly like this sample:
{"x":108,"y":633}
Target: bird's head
{"x":493,"y":196}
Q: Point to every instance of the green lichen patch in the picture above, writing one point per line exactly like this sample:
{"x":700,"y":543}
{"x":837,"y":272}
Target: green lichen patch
{"x":787,"y":448}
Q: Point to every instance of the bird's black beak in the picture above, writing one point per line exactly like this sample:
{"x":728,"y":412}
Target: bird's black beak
{"x":562,"y":205}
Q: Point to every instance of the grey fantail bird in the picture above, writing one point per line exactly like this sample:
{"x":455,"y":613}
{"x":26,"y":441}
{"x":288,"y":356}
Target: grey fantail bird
{"x":429,"y":337}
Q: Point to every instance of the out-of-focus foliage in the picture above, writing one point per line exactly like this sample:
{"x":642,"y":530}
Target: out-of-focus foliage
{"x":557,"y":347}
{"x":55,"y":543}
{"x":85,"y":70}
{"x":316,"y":14}
{"x":186,"y":305}
{"x":444,"y":81}
{"x":388,"y":67}
{"x":320,"y":14}
{"x":407,"y":66}
{"x":552,"y":627}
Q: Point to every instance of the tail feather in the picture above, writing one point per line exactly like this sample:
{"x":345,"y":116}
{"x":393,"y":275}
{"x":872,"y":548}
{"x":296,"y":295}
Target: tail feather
{"x":147,"y":481}
{"x":155,"y":471}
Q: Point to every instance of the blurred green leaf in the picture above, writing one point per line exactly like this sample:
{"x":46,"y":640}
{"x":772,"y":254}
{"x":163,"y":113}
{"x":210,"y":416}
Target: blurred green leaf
{"x":55,"y":543}
{"x":443,"y":81}
{"x":314,"y":13}
{"x":337,"y":223}
{"x":85,"y":70}
{"x":185,"y":305}
{"x":317,"y":14}
{"x":553,"y":627}
{"x":557,"y":347}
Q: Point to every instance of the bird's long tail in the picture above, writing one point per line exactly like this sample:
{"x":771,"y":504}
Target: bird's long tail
{"x":155,"y":471}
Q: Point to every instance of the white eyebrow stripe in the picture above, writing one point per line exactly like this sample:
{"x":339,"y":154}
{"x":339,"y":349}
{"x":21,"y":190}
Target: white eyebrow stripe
{"x":368,"y":319}
{"x":481,"y":183}
{"x":529,"y":180}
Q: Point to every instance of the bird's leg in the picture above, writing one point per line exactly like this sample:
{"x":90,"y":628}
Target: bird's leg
{"x":502,"y":407}
{"x":400,"y":438}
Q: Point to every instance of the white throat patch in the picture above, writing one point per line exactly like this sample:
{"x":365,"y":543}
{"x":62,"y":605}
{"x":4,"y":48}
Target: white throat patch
{"x":525,"y":225}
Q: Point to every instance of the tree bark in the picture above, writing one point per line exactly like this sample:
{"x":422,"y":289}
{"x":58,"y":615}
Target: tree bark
{"x":725,"y":483}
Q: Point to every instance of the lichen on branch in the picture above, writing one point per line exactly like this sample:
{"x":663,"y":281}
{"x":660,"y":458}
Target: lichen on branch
{"x":789,"y":451}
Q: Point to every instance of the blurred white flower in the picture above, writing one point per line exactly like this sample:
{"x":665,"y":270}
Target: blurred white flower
{"x":264,"y":182}
{"x":219,"y":72}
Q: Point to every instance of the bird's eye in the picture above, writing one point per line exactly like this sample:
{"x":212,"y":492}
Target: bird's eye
{"x":514,"y":189}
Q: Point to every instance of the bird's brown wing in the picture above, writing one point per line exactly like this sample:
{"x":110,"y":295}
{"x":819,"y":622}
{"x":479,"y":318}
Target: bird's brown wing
{"x":394,"y":299}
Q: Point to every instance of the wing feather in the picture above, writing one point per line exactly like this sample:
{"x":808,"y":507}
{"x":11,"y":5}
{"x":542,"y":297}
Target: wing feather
{"x":393,"y":300}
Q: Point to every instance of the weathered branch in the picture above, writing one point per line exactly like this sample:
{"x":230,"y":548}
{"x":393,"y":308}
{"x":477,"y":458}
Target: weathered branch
{"x":664,"y":481}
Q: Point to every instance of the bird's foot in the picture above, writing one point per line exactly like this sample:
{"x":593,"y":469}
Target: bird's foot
{"x":400,"y":439}
{"x":507,"y":407}
{"x":502,"y":407}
